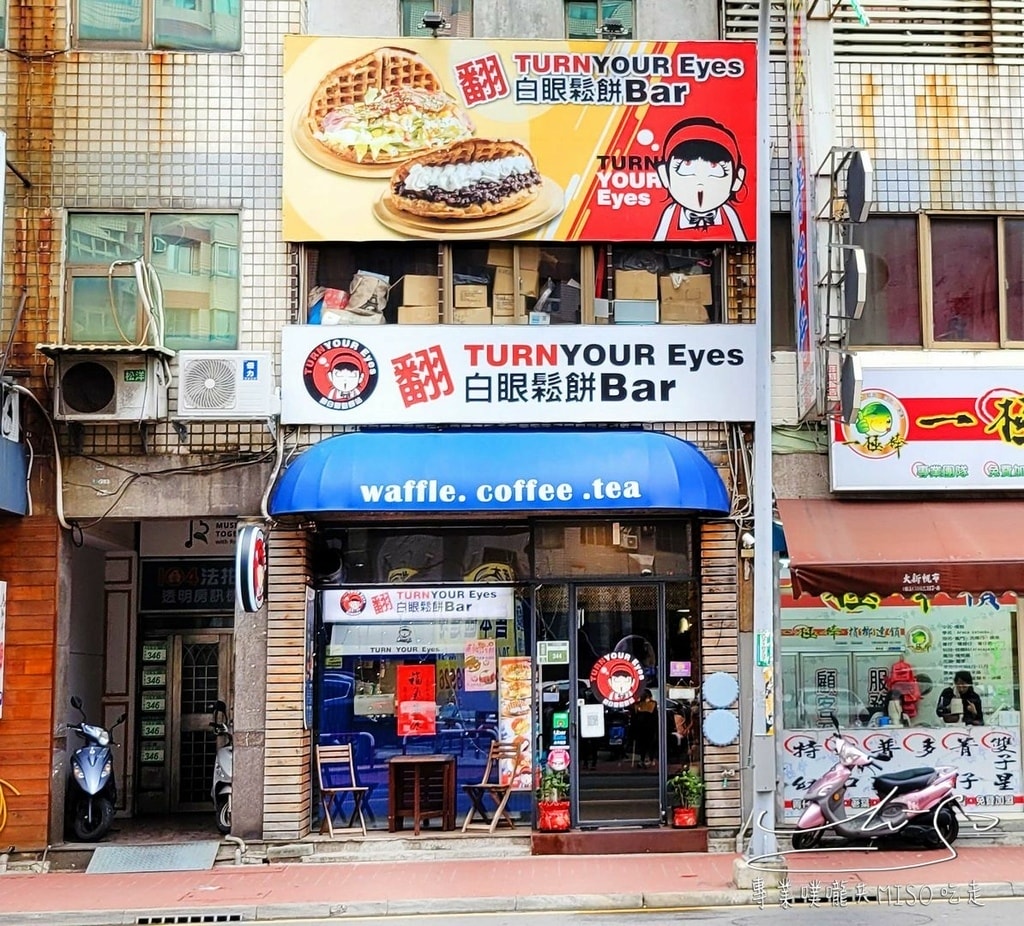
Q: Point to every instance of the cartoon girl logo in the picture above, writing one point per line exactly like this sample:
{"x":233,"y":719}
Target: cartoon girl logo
{"x":881,"y":427}
{"x":703,"y":174}
{"x":340,"y":373}
{"x":617,"y":678}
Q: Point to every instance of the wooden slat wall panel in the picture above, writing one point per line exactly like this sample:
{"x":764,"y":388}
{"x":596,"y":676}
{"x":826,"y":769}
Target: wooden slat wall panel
{"x":287,"y":784}
{"x":720,"y":653}
{"x":27,"y":721}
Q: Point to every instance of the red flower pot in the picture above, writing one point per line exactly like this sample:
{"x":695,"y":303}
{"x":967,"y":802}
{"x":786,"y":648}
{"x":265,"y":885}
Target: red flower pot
{"x":553,"y":816}
{"x":684,"y":816}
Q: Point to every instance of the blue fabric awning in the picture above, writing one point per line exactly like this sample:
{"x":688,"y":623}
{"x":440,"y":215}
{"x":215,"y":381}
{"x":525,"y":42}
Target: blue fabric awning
{"x":492,"y":471}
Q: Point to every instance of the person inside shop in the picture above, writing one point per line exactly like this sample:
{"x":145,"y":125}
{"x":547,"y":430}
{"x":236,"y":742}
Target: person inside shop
{"x":645,"y":730}
{"x":963,"y":693}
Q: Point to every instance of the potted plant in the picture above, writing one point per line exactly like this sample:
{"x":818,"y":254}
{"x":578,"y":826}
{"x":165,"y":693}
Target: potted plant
{"x":685,"y":791}
{"x":553,"y":800}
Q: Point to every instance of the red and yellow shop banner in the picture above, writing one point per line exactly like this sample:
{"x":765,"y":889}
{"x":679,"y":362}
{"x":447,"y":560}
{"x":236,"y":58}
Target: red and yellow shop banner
{"x":555,"y":141}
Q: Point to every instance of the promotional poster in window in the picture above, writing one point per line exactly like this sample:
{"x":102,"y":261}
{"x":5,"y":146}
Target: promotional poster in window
{"x":556,"y":141}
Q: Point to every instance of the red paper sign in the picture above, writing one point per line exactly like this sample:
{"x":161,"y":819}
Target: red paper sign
{"x":417,"y":701}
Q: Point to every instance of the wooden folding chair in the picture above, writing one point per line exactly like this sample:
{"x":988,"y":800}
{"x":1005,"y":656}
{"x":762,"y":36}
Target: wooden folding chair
{"x":498,"y":791}
{"x":336,"y":769}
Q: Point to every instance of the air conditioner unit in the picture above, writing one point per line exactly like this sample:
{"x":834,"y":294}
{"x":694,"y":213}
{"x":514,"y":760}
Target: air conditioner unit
{"x":10,"y":413}
{"x":626,"y":538}
{"x":110,"y":387}
{"x":226,"y":384}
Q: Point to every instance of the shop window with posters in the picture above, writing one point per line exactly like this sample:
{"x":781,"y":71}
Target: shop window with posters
{"x":932,"y":680}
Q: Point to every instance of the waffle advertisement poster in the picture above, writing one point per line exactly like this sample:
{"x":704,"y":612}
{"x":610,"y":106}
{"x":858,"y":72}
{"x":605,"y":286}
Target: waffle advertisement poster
{"x":472,"y":139}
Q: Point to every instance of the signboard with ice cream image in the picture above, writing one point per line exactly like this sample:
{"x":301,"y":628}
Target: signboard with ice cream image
{"x":557,"y":141}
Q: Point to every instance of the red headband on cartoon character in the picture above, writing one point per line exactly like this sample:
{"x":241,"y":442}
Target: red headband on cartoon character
{"x":703,"y":131}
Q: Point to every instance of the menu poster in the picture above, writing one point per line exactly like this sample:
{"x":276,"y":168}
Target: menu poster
{"x":415,"y":692}
{"x":479,"y":662}
{"x":515,"y":723}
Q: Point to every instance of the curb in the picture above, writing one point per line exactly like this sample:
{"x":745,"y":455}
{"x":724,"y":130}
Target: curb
{"x":875,"y":896}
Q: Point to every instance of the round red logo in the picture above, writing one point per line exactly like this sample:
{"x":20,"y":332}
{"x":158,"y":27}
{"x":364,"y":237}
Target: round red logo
{"x":340,"y":373}
{"x":616,"y":678}
{"x":353,"y":602}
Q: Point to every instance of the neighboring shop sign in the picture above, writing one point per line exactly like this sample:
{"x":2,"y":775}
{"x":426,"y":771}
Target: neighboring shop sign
{"x":988,"y":759}
{"x":251,"y":568}
{"x":458,"y":374}
{"x":416,"y":699}
{"x":663,"y":140}
{"x":187,"y":585}
{"x":379,"y":605}
{"x":916,"y":430}
{"x":192,"y":537}
{"x":515,"y":724}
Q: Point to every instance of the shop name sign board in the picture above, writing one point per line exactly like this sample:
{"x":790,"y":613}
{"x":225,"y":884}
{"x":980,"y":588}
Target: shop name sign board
{"x":188,"y":537}
{"x":515,"y":374}
{"x":403,"y":605}
{"x":556,"y":141}
{"x":917,"y":429}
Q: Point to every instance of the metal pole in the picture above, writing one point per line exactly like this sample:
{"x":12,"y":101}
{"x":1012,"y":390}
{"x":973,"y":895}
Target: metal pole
{"x":763,"y":758}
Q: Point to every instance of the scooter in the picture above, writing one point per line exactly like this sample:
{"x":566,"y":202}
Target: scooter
{"x":220,"y":791}
{"x":916,"y":804}
{"x":92,"y":791}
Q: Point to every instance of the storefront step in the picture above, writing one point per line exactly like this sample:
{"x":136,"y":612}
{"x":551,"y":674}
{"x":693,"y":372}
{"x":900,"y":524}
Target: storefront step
{"x":396,"y":848}
{"x":621,"y":842}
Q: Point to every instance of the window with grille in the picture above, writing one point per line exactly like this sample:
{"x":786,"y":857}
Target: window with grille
{"x":187,"y":25}
{"x":586,"y":19}
{"x":195,"y":258}
{"x":457,"y":13}
{"x":991,"y":30}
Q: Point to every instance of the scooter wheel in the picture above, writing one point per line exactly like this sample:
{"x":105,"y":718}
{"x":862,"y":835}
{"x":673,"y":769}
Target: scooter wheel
{"x":92,"y":827}
{"x":224,"y":815}
{"x":948,"y":825}
{"x":806,"y":839}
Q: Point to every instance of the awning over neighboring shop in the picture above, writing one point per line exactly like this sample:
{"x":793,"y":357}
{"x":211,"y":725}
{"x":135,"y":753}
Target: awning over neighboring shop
{"x":903,"y":548}
{"x":495,"y":471}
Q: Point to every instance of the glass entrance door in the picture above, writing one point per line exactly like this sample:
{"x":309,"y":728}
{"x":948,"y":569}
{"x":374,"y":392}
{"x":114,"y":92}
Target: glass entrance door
{"x":619,"y":728}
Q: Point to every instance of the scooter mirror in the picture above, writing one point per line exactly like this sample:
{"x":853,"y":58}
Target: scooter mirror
{"x":220,"y":706}
{"x":76,"y":702}
{"x":835,"y":721}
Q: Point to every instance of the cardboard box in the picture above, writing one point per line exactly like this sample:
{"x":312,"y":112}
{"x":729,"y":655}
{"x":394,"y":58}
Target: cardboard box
{"x":529,"y":257}
{"x":418,"y":315}
{"x":635,"y":284}
{"x":504,"y":281}
{"x":684,"y":313}
{"x":507,"y":319}
{"x":478,"y":315}
{"x":683,"y":289}
{"x":602,"y":309}
{"x":471,"y":296}
{"x":635,"y":311}
{"x":419,"y":290}
{"x":504,"y":304}
{"x":499,"y":255}
{"x":529,"y":282}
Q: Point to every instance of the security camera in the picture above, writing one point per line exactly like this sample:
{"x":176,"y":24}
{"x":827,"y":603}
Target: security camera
{"x":611,"y":27}
{"x":433,"y":21}
{"x":747,"y":540}
{"x":647,"y":572}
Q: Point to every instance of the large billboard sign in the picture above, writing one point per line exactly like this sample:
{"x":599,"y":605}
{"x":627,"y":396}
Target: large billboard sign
{"x":555,"y":141}
{"x":515,"y":374}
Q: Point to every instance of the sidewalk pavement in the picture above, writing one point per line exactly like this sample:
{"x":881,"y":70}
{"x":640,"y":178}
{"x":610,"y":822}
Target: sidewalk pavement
{"x":904,"y":877}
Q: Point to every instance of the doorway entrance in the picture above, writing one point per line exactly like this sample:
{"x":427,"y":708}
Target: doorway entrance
{"x":183,"y":675}
{"x":617,"y":702}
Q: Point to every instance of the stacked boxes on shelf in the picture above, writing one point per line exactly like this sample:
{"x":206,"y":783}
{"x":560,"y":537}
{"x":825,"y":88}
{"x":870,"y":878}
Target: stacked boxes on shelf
{"x":636,"y":298}
{"x":685,"y":298}
{"x":419,"y":300}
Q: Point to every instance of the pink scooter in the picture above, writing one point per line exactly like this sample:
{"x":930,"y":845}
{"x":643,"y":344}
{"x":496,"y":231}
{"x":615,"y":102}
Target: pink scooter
{"x":917,"y":804}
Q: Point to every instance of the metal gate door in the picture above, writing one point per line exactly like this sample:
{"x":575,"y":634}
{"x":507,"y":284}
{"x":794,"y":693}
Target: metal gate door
{"x":200,"y":673}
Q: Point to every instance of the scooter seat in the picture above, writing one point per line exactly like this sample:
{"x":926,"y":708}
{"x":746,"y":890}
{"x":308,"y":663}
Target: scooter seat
{"x":909,"y":779}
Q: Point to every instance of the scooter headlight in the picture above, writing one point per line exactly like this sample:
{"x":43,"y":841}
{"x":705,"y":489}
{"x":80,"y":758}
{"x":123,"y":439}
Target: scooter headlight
{"x":107,"y":766}
{"x":79,"y":774}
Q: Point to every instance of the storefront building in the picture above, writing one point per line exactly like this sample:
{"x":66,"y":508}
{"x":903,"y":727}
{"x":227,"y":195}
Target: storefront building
{"x":512,"y":541}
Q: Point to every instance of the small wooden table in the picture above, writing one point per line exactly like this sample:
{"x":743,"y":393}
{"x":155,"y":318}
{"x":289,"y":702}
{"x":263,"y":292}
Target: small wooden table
{"x":421,"y":787}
